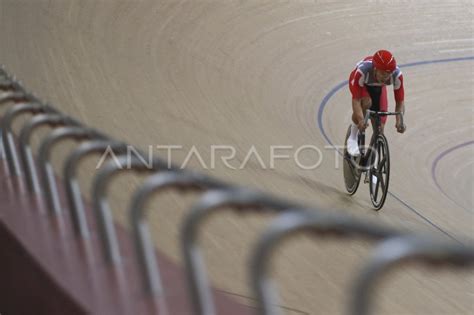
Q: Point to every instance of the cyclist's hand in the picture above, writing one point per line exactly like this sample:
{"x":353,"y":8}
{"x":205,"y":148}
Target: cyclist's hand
{"x":400,"y":127}
{"x":361,"y":125}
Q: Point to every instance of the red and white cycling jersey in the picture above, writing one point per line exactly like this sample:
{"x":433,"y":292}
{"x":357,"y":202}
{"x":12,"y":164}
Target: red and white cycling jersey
{"x":363,"y":76}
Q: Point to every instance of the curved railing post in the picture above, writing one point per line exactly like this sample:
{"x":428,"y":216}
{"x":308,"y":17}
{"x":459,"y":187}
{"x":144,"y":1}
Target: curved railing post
{"x":3,"y":71}
{"x":100,"y":204}
{"x":5,"y":83}
{"x":398,"y":250}
{"x":240,"y":199}
{"x":293,"y":222}
{"x":26,"y":155}
{"x":49,"y":186}
{"x":8,"y":139}
{"x":8,"y":84}
{"x":16,"y":96}
{"x":73,"y":191}
{"x":141,"y":235}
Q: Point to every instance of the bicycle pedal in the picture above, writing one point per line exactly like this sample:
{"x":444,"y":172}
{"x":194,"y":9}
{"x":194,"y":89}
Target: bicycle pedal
{"x":366,"y":178}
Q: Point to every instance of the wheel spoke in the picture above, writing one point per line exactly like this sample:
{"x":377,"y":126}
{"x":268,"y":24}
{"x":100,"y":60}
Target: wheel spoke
{"x":381,"y":165}
{"x":381,"y":181}
{"x":376,"y":192}
{"x":382,"y":168}
{"x":379,"y":155}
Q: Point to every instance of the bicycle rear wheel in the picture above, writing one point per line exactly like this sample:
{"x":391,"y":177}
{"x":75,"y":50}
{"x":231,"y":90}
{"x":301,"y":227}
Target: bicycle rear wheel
{"x":379,"y":172}
{"x":350,"y":171}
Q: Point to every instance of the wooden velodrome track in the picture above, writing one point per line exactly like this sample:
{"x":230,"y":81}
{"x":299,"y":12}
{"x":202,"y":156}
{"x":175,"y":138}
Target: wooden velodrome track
{"x":263,"y":73}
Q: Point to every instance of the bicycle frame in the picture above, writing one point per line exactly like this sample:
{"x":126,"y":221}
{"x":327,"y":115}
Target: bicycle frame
{"x":366,"y":156}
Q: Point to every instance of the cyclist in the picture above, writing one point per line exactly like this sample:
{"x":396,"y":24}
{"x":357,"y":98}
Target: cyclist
{"x":367,"y":83}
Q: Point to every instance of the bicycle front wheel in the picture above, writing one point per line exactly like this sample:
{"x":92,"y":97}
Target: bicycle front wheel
{"x":379,"y":172}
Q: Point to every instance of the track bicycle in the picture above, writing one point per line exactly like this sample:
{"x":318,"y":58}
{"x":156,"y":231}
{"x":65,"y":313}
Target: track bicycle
{"x":373,"y":161}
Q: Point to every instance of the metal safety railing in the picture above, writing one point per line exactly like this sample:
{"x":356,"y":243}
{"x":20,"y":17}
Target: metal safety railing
{"x":402,"y":250}
{"x":36,"y":171}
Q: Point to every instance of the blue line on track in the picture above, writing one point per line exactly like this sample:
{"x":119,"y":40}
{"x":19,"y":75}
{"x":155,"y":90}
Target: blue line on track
{"x":435,"y":165}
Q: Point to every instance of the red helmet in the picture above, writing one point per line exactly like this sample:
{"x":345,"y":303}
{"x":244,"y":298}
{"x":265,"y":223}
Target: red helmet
{"x":383,"y":60}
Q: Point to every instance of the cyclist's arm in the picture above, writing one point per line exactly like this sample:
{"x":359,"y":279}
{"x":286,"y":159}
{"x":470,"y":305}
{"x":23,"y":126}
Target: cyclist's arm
{"x":399,"y":93}
{"x":399,"y":90}
{"x":400,"y":108}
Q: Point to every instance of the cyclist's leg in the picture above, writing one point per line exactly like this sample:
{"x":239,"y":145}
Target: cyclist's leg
{"x":361,"y":101}
{"x":352,"y":142}
{"x":359,"y":94}
{"x":375,"y":93}
{"x":366,"y":103}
